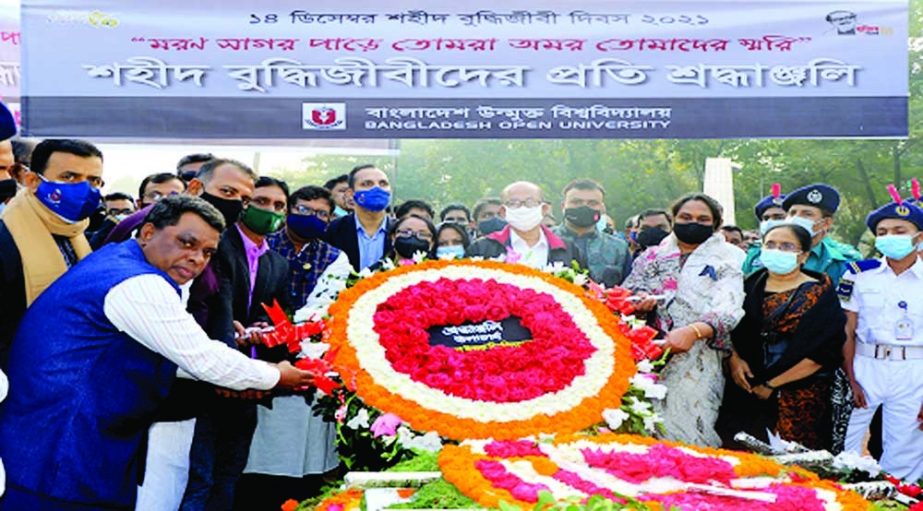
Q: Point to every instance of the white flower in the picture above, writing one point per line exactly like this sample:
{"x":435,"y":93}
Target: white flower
{"x":408,"y":440}
{"x":645,"y":366}
{"x":614,"y":417}
{"x":849,"y":461}
{"x":387,"y":264}
{"x":651,"y":421}
{"x":429,"y":442}
{"x":639,"y":407}
{"x":419,"y":257}
{"x":580,"y":279}
{"x":365,"y":272}
{"x":314,"y":349}
{"x":651,"y":389}
{"x":554,"y":267}
{"x":361,"y":420}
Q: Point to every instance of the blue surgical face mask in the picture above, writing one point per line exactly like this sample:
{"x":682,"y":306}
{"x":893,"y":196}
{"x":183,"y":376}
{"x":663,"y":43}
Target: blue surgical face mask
{"x":895,"y":246}
{"x":807,"y":223}
{"x":338,"y":212}
{"x":71,"y":201}
{"x":601,"y":224}
{"x":765,"y":225}
{"x":374,"y":199}
{"x":307,"y":227}
{"x":453,"y":252}
{"x":779,"y":262}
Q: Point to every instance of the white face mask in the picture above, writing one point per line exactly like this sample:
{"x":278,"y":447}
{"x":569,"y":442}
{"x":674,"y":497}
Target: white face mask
{"x":524,"y":219}
{"x":807,"y":223}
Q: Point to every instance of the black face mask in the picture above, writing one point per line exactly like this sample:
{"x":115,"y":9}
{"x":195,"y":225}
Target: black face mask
{"x":230,"y":209}
{"x":693,"y":233}
{"x":651,"y":237}
{"x":7,"y":189}
{"x":491,"y":225}
{"x":584,"y":216}
{"x":407,"y":247}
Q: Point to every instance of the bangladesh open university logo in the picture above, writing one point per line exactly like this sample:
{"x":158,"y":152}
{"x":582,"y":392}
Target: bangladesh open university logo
{"x":323,"y":116}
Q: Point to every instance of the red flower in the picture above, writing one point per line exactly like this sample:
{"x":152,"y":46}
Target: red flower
{"x":547,"y":363}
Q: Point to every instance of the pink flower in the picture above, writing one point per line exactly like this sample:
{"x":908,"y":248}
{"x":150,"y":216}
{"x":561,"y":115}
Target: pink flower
{"x":512,"y":256}
{"x":512,"y":448}
{"x":340,"y":414}
{"x":385,"y":425}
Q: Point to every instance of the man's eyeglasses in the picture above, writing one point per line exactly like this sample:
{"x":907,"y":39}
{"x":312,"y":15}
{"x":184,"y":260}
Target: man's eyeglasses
{"x":529,"y":203}
{"x":407,"y":233}
{"x":156,"y":196}
{"x":306,"y":211}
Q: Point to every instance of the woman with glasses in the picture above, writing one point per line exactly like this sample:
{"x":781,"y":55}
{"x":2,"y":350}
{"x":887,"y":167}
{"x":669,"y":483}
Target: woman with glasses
{"x":786,"y":347}
{"x":411,"y":236}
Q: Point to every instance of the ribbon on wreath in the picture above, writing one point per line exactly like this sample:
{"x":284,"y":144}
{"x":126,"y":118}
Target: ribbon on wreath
{"x":292,"y":335}
{"x":911,"y":490}
{"x":617,"y":299}
{"x":285,"y":332}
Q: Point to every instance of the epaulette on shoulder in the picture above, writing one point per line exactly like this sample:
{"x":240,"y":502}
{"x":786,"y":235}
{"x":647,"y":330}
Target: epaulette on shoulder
{"x":858,"y":267}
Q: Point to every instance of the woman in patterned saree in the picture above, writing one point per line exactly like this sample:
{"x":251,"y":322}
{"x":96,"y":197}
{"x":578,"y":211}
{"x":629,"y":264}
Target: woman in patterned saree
{"x":786,"y":348}
{"x":693,"y":286}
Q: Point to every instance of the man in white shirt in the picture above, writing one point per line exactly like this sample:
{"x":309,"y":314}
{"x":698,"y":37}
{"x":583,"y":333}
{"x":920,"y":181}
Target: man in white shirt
{"x":883,"y":355}
{"x":525,"y":240}
{"x":95,"y":356}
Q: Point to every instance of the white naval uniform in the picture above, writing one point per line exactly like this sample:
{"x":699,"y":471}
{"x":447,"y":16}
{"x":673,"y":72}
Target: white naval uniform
{"x":890,"y":315}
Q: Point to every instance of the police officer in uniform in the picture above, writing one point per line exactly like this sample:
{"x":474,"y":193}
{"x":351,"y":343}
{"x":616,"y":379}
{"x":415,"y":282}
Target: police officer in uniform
{"x":813,"y":207}
{"x":884,"y":347}
{"x":769,"y":213}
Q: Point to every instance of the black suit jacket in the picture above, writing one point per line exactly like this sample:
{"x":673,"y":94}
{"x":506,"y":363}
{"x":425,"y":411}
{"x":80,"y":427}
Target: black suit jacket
{"x":342,"y":234}
{"x":272,"y":281}
{"x":12,"y":291}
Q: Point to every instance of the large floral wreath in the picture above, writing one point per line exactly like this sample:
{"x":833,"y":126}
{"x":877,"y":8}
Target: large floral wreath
{"x":629,"y":468}
{"x":576,"y":365}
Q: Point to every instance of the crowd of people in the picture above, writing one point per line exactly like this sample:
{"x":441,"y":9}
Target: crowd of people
{"x":130,"y":326}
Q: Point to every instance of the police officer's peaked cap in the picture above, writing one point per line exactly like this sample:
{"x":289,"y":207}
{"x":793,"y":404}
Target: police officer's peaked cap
{"x":770,"y":201}
{"x":818,"y":195}
{"x":908,"y":210}
{"x":7,"y":123}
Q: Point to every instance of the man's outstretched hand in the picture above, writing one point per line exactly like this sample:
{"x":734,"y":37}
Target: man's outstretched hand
{"x":293,"y":378}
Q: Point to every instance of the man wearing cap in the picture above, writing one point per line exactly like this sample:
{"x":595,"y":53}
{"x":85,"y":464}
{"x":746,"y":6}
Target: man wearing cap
{"x":813,"y":207}
{"x":883,"y":355}
{"x":769,"y":213}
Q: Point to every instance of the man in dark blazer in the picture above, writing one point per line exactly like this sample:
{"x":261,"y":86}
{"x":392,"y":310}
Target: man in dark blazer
{"x":363,"y":234}
{"x":250,"y":275}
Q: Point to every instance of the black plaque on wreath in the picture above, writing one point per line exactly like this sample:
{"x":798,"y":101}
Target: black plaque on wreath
{"x":479,"y":336}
